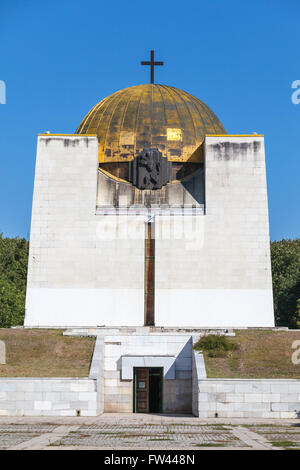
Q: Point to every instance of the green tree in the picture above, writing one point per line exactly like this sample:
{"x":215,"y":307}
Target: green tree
{"x":285,"y":256}
{"x":13,"y":273}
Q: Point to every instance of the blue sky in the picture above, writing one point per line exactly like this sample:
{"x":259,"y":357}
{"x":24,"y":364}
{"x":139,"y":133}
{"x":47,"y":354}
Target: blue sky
{"x":59,"y":58}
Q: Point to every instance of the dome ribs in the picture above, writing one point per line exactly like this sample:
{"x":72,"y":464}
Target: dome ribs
{"x":216,"y":121}
{"x":174,"y":144}
{"x":143,"y":130}
{"x":178,"y":145}
{"x":146,"y":116}
{"x":112,"y":137}
{"x":90,"y":128}
{"x":199,"y":120}
{"x":84,"y":125}
{"x":103,"y":127}
{"x":159,"y":123}
{"x":207,"y":115}
{"x":189,"y":136}
{"x":136,"y":121}
{"x":127,"y":136}
{"x":163,"y":130}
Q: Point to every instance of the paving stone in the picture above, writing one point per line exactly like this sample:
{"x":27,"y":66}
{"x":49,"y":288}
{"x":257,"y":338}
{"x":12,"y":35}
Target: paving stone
{"x":143,"y":432}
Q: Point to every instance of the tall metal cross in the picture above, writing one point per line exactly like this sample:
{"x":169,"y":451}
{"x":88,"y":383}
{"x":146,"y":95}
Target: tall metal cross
{"x":152,"y":64}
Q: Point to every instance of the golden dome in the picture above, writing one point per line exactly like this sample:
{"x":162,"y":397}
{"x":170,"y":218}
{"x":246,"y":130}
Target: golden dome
{"x":147,"y":116}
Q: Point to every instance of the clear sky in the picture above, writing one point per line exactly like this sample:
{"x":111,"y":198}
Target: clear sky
{"x":59,"y":58}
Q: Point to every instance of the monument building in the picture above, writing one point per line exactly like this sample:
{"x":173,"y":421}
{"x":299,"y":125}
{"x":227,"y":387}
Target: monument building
{"x":147,"y":222}
{"x":150,"y":214}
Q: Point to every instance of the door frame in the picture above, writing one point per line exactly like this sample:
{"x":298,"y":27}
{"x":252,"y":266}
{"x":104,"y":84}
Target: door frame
{"x":161,"y":370}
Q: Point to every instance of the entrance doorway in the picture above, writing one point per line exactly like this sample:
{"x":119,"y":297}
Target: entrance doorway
{"x":148,"y":390}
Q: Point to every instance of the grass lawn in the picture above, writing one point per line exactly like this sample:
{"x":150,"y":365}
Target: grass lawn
{"x":45,"y":353}
{"x":260,"y":354}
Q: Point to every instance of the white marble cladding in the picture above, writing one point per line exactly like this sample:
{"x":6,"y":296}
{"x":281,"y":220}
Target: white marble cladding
{"x":189,"y":392}
{"x":218,"y":273}
{"x":177,"y":392}
{"x":167,"y":363}
{"x":198,"y":372}
{"x":97,"y":371}
{"x":48,"y":397}
{"x":82,"y":271}
{"x":211,"y":270}
{"x":248,"y":398}
{"x":123,"y":198}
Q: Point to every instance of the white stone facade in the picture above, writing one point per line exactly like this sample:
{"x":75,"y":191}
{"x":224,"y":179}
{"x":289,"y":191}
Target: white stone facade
{"x":212,"y":269}
{"x":187,"y":391}
{"x":110,"y":385}
{"x":248,"y":398}
{"x":220,"y":274}
{"x":79,"y":272}
{"x":48,"y":397}
{"x":171,"y":352}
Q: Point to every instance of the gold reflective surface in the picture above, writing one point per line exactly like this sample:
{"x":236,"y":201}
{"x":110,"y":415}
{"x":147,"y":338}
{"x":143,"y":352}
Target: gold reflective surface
{"x":146,"y":116}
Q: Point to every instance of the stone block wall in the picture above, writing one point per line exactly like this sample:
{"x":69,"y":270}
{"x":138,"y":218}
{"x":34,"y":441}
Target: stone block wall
{"x":211,"y":269}
{"x":83,"y":270}
{"x":215,"y":269}
{"x":48,"y":397}
{"x":189,"y":390}
{"x":246,"y":398}
{"x":177,"y":393}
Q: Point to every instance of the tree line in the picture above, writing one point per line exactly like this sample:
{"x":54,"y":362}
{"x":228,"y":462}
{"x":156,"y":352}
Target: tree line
{"x":13,"y":274}
{"x":285,"y":256}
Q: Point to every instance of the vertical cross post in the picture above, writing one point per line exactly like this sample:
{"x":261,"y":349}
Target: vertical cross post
{"x":149,"y":273}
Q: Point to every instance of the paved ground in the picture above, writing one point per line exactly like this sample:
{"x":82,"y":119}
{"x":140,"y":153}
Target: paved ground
{"x":150,"y":432}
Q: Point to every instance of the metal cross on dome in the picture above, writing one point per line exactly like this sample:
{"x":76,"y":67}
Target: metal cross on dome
{"x":152,"y":63}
